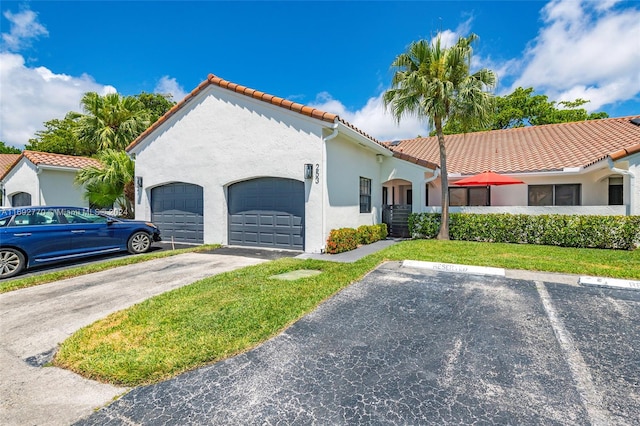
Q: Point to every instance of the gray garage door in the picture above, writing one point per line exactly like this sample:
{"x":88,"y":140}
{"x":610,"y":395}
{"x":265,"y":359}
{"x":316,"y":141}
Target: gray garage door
{"x":177,"y":209}
{"x":267,"y":212}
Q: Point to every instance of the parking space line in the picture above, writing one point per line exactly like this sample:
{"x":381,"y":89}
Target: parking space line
{"x":591,"y":399}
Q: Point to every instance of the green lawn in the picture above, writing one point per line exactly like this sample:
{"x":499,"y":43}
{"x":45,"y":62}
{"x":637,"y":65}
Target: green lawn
{"x":18,"y":283}
{"x":232,"y":312}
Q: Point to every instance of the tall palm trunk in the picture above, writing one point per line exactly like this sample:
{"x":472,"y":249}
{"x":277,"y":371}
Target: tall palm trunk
{"x":443,"y":234}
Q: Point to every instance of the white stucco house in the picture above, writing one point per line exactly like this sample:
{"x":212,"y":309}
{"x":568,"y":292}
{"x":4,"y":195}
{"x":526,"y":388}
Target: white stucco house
{"x":587,"y":167}
{"x":43,"y":179}
{"x":236,"y":166}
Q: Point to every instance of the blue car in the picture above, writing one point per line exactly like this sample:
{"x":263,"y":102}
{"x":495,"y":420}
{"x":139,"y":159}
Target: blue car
{"x":31,"y":236}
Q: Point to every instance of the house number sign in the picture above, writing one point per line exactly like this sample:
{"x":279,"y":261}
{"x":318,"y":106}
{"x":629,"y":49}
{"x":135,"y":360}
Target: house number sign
{"x":317,"y":173}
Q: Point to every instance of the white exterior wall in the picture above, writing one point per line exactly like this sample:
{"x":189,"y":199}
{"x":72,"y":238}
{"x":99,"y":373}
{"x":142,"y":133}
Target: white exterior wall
{"x":57,"y":188}
{"x":220,"y":138}
{"x":346,"y":163}
{"x":514,"y":198}
{"x":632,"y":179}
{"x":402,"y":175}
{"x":50,"y":187}
{"x":23,"y":178}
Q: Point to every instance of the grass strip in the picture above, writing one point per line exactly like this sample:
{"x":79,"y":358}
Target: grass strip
{"x":18,"y":283}
{"x":233,"y":312}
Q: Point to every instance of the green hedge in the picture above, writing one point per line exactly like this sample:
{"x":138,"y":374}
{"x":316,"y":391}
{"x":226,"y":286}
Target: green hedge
{"x":345,"y":239}
{"x":611,"y":232}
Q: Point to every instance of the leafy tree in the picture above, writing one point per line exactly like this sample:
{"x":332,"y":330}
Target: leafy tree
{"x":7,"y":149}
{"x":110,"y":121}
{"x":112,"y":183}
{"x":156,"y":103}
{"x":523,"y":108}
{"x":433,"y":83}
{"x":60,"y":137}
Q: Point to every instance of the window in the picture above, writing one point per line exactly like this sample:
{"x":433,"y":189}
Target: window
{"x":554,"y":195}
{"x":21,"y":199}
{"x":426,"y":194}
{"x":616,"y":197}
{"x":36,"y":217}
{"x":469,"y":196}
{"x":83,"y":216}
{"x":409,"y":196}
{"x":365,"y":195}
{"x":385,"y":195}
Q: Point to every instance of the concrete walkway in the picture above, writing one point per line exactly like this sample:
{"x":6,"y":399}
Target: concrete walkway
{"x":35,"y":320}
{"x":353,"y":255}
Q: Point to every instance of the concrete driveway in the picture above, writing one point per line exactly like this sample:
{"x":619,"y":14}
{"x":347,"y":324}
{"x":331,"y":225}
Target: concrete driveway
{"x":408,"y":346}
{"x":35,"y":320}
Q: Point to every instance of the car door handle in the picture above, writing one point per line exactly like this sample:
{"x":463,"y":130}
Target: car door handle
{"x":81,"y":231}
{"x":22,"y":234}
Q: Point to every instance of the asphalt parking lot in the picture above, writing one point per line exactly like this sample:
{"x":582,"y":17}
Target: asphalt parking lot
{"x":408,"y":346}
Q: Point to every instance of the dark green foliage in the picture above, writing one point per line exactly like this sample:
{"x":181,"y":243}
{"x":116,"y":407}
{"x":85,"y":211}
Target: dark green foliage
{"x":6,"y":149}
{"x":345,"y":239}
{"x":65,"y":136}
{"x":523,"y":108}
{"x":156,"y":104}
{"x":60,"y":137}
{"x":607,"y":232}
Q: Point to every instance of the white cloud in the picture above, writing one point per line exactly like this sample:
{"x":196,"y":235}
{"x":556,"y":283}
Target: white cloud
{"x":32,"y":96}
{"x":585,"y":49}
{"x":373,"y":119}
{"x":168,"y":85}
{"x":23,"y":28}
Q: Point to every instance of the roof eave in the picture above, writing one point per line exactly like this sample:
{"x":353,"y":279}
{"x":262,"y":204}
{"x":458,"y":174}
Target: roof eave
{"x":625,"y":152}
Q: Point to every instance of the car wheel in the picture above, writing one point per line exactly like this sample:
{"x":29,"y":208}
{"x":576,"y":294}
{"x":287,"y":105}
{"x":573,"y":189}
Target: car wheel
{"x":11,"y":262}
{"x":140,"y":242}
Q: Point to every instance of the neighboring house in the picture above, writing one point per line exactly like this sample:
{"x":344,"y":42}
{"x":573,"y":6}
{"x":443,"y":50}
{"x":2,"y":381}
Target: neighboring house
{"x":586,"y":167}
{"x":232,"y":165}
{"x":6,"y":161}
{"x":41,"y":179}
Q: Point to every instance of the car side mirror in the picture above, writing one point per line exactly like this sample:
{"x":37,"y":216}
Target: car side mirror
{"x":110,"y":221}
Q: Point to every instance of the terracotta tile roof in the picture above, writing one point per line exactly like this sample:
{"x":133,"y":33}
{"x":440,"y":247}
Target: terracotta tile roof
{"x":7,"y":160}
{"x":265,"y":97}
{"x":55,"y":160}
{"x":530,"y":149}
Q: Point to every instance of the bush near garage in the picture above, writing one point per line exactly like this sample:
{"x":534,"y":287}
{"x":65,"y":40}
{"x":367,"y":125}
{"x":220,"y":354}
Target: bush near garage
{"x":345,"y":239}
{"x":580,"y":231}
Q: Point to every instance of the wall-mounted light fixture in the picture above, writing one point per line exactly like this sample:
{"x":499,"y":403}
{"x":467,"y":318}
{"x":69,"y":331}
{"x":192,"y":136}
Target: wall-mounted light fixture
{"x":308,"y":171}
{"x":139,"y":181}
{"x":379,"y":158}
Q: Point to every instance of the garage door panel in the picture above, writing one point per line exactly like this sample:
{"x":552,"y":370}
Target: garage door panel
{"x":177,"y":209}
{"x":267,"y":212}
{"x":267,"y":220}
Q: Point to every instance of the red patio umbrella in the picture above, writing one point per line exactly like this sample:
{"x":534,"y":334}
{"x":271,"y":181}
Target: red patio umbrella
{"x":487,"y":179}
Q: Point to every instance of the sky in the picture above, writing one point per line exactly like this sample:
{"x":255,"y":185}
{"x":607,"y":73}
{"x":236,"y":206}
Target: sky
{"x":332,"y":55}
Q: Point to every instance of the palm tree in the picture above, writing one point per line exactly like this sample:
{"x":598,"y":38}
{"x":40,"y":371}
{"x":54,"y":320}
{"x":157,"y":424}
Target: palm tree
{"x":433,"y":82}
{"x":111,"y":121}
{"x":110,"y":184}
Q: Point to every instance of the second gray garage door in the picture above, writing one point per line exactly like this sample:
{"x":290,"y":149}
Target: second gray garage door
{"x":267,"y":212}
{"x":177,"y":209}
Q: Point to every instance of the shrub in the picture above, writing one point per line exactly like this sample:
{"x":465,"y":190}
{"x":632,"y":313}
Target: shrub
{"x":345,"y":239}
{"x":367,"y":234}
{"x":341,"y":240}
{"x":611,"y":232}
